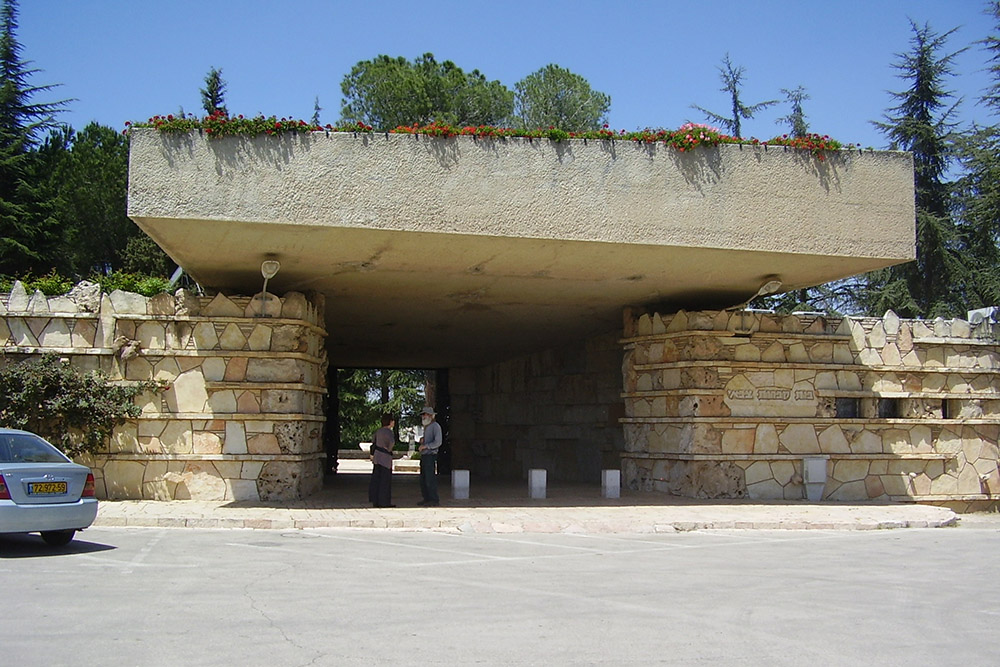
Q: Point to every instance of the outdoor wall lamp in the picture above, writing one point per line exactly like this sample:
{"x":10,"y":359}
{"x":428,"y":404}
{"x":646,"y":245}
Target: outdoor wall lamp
{"x":268,"y":268}
{"x":771,"y":285}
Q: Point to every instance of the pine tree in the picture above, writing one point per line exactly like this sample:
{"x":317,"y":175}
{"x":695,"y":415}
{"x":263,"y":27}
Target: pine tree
{"x":922,"y":124}
{"x":214,"y":92}
{"x":26,"y":232}
{"x":796,"y":120}
{"x":732,"y":81}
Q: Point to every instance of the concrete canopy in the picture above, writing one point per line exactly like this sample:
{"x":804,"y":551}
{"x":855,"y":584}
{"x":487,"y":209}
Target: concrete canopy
{"x":459,"y":252}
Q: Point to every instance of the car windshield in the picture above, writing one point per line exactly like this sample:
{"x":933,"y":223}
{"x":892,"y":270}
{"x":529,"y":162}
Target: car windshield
{"x":27,"y":448}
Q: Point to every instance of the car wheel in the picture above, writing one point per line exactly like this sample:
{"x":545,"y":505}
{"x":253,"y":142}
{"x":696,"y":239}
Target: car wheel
{"x":58,"y":538}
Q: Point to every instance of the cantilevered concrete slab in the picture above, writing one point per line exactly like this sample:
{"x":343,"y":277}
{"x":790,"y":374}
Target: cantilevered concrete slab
{"x":459,"y":252}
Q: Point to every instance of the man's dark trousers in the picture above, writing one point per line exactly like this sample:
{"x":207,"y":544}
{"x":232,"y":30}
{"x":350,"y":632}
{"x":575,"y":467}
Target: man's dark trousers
{"x":428,"y":478}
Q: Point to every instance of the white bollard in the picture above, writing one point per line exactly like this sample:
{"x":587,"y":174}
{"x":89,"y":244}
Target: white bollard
{"x":536,"y":483}
{"x":814,"y":476}
{"x":460,"y":484}
{"x":611,"y":483}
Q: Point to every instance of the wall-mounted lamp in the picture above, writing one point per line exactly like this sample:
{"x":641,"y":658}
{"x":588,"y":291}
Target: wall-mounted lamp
{"x":772,"y":285}
{"x":268,"y":268}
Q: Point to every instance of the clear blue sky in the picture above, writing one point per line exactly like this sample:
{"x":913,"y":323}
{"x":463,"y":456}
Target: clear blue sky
{"x":130,"y":59}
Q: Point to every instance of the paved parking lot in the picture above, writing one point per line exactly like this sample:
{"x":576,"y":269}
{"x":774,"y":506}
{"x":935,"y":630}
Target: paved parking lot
{"x":170,"y":596}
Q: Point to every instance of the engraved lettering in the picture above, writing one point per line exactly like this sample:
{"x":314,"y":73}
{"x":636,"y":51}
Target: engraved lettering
{"x":740,"y":394}
{"x":773,"y":394}
{"x":804,"y":395}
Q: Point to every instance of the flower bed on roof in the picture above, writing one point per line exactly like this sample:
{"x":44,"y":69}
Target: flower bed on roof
{"x":685,"y":138}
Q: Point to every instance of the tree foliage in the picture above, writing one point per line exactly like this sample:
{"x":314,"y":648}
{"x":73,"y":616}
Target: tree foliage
{"x":213,"y":94}
{"x":922,"y":123}
{"x":75,"y":411}
{"x":387,"y":92}
{"x":364,"y":394}
{"x":556,"y":97}
{"x":796,"y":119}
{"x":732,"y":83}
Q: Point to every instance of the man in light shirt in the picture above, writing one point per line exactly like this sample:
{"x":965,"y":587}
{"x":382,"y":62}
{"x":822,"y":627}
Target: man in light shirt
{"x":429,"y":445}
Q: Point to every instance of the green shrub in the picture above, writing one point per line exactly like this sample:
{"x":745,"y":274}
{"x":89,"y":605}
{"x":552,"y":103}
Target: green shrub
{"x":53,"y":284}
{"x":75,"y":411}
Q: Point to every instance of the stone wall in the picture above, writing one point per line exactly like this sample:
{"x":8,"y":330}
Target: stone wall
{"x":728,"y":404}
{"x":558,"y":410}
{"x":241,"y":417}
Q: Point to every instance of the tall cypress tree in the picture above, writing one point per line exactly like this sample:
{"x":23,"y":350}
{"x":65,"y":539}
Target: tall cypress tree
{"x":922,"y":124}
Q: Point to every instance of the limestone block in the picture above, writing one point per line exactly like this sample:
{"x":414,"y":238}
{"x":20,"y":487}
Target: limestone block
{"x":890,"y":355}
{"x":124,"y":438}
{"x":765,"y":439}
{"x":38,"y":303}
{"x":961,"y":329}
{"x":782,"y":471}
{"x":645,"y":325}
{"x":904,"y":339}
{"x":189,"y":363}
{"x":20,"y":333}
{"x":279,"y":480}
{"x":176,"y":437}
{"x":294,"y":306}
{"x":942,"y":328}
{"x":876,"y":337}
{"x":679,"y":322}
{"x":86,"y":295}
{"x":17,"y":302}
{"x":765,"y":490}
{"x":138,"y":369}
{"x":869,"y":357}
{"x":206,"y":442}
{"x":263,"y":443}
{"x":797,"y":353}
{"x":229,"y":469}
{"x":4,"y":332}
{"x":944,"y":485}
{"x":188,"y":393}
{"x":873,"y":486}
{"x":826,"y":380}
{"x":186,"y":303}
{"x":166,"y":370}
{"x":214,"y":369}
{"x":274,"y":370}
{"x":921,"y":439}
{"x":821,"y":353}
{"x":291,"y":437}
{"x":56,"y":334}
{"x":161,"y":304}
{"x":897,"y":484}
{"x":879,"y":467}
{"x":222,"y":306}
{"x":232,"y":338}
{"x":247,"y":402}
{"x":236,"y":438}
{"x":842,"y":354}
{"x":178,"y":334}
{"x":833,"y":441}
{"x":62,"y":304}
{"x":818,"y":326}
{"x":222,"y":402}
{"x":849,"y":470}
{"x":242,"y":490}
{"x":791,"y":324}
{"x":251,"y":469}
{"x":866,"y":442}
{"x":151,"y":335}
{"x":896,"y":441}
{"x":260,"y":338}
{"x":123,"y":480}
{"x":747,"y":352}
{"x":738,"y":441}
{"x":788,"y":378}
{"x":968,"y":480}
{"x":912,"y":359}
{"x":849,"y":381}
{"x":205,"y":337}
{"x":799,"y":439}
{"x":202,"y":481}
{"x":933,"y":357}
{"x":890,"y":323}
{"x":849,"y":491}
{"x":128,"y":303}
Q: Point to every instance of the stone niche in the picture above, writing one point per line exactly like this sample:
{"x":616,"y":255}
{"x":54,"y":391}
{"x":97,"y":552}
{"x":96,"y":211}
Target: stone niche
{"x":240,"y":415}
{"x":721,"y":404}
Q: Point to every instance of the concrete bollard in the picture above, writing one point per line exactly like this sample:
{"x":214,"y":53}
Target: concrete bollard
{"x":611,"y":483}
{"x":460,"y":484}
{"x":814,"y":476}
{"x":536,"y":483}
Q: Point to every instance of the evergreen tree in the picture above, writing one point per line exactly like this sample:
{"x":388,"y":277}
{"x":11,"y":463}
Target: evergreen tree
{"x":316,"y":109}
{"x":26,"y":232}
{"x":922,"y":124}
{"x":364,"y":394}
{"x":556,"y":97}
{"x":979,"y":188}
{"x":796,"y":120}
{"x":732,"y":82}
{"x":388,"y":92}
{"x":213,"y":94}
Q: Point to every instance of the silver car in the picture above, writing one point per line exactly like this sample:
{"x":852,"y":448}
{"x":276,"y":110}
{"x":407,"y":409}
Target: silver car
{"x":41,"y":490}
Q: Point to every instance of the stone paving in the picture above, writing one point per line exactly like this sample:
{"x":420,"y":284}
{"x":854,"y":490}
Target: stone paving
{"x":506,"y":508}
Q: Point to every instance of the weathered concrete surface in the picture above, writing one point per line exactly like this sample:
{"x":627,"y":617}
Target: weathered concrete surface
{"x":456,"y":252}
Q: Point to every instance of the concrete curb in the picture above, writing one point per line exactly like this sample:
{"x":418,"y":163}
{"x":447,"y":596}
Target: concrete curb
{"x":637,"y":519}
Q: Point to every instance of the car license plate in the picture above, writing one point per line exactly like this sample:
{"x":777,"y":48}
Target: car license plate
{"x":46,"y":488}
